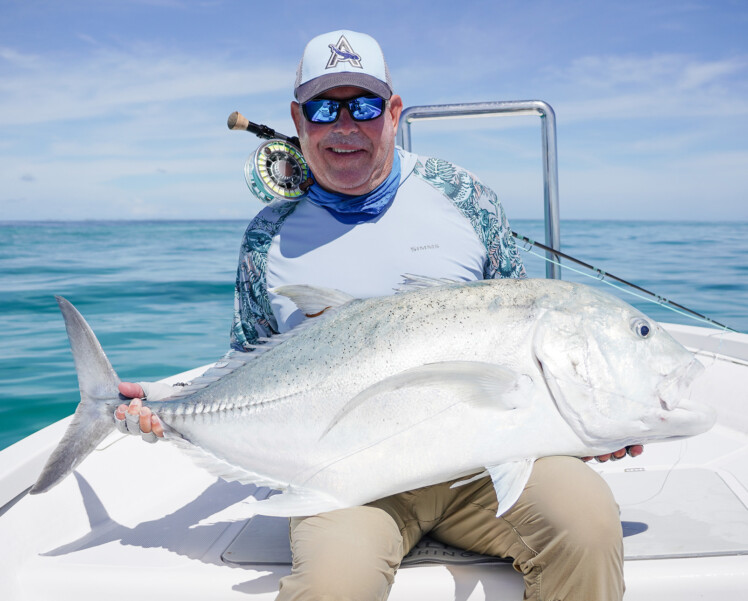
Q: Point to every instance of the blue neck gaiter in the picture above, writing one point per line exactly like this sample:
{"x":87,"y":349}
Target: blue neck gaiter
{"x":358,"y":209}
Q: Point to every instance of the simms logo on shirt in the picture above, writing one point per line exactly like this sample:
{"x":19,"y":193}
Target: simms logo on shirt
{"x":342,"y":52}
{"x":424,"y":247}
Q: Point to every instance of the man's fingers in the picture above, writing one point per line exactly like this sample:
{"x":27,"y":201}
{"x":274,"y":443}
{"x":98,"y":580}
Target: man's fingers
{"x":157,"y":427}
{"x":131,"y":390}
{"x":632,"y":451}
{"x":119,"y":418}
{"x":138,"y":420}
{"x":635,"y":450}
{"x":145,"y":420}
{"x":134,"y":407}
{"x":152,"y":430}
{"x":133,"y":423}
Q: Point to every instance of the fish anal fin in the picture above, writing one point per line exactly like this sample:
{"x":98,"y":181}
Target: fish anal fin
{"x":221,"y":468}
{"x":294,"y":503}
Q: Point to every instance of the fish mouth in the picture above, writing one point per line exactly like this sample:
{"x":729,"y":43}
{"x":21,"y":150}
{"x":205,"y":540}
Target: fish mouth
{"x":670,"y":409}
{"x":691,"y":416}
{"x":672,"y":390}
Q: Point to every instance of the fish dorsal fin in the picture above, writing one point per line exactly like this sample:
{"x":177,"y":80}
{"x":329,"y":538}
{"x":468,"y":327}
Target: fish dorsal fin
{"x":509,"y":480}
{"x":234,"y":359}
{"x":313,"y":300}
{"x":417,"y":282}
{"x":230,"y":362}
{"x":473,"y":382}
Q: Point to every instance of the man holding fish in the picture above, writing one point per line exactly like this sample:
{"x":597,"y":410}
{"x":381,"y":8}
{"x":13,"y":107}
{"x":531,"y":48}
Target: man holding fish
{"x":374,"y":213}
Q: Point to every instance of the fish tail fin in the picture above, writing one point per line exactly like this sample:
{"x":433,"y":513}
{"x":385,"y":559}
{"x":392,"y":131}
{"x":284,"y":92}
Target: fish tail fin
{"x":93,"y":419}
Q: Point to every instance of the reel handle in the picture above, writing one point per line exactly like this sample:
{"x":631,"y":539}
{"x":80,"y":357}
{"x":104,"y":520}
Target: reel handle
{"x":239,"y":122}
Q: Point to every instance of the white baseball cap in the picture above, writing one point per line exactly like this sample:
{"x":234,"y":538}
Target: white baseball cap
{"x":342,"y":58}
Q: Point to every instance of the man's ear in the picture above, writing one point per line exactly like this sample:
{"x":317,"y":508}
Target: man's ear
{"x":296,"y":116}
{"x":396,"y":108}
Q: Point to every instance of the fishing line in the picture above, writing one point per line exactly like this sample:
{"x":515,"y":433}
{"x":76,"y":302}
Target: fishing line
{"x":601,"y":276}
{"x":668,"y":473}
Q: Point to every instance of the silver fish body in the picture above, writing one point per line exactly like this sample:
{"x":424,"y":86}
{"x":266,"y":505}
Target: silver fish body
{"x":444,"y":380}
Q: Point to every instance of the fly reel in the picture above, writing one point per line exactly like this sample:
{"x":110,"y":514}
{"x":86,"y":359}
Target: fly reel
{"x":277,"y":171}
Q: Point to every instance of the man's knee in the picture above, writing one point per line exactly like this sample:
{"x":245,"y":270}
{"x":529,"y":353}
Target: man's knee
{"x":575,"y":532}
{"x":584,"y":512}
{"x":347,"y":554}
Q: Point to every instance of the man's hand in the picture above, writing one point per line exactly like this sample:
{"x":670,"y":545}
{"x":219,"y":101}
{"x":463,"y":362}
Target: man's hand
{"x":632,"y":451}
{"x":131,"y":390}
{"x":134,"y":418}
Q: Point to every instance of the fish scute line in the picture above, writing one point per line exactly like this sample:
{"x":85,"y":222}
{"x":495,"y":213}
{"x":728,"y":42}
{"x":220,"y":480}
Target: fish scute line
{"x":212,"y":409}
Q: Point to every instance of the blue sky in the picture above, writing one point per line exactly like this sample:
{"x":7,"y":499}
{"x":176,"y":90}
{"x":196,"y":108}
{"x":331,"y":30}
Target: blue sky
{"x":116,"y":109}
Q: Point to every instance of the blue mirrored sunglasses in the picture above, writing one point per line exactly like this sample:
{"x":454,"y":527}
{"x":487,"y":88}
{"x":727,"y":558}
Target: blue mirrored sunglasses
{"x":325,"y":110}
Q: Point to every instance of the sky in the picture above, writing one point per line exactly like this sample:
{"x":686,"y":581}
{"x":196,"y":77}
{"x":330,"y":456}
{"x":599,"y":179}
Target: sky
{"x":116,"y":109}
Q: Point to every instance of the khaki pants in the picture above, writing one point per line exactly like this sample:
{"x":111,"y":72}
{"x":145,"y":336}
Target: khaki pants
{"x":564,"y":535}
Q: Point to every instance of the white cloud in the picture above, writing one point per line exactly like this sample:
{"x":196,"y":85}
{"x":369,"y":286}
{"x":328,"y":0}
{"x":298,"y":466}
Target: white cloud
{"x":17,"y":59}
{"x":668,"y":86}
{"x":128,"y":133}
{"x":39,"y":90}
{"x":697,"y":75}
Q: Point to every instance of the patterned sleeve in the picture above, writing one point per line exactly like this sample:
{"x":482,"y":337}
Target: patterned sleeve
{"x":504,"y":260}
{"x":253,"y":315}
{"x":480,"y":205}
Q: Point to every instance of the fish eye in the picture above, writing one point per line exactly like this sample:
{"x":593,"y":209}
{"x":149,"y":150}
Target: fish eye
{"x":641,"y":327}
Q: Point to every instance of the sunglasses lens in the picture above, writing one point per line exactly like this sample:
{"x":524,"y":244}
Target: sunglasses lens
{"x":321,"y":110}
{"x":366,"y":108}
{"x":324,"y":110}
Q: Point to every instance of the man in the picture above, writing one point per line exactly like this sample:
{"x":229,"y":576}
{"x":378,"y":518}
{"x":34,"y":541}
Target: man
{"x":373,"y":214}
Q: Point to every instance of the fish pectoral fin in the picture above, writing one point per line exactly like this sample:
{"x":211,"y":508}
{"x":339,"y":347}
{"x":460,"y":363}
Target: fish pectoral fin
{"x":509,"y":480}
{"x":294,"y":503}
{"x":481,"y":384}
{"x":313,"y":300}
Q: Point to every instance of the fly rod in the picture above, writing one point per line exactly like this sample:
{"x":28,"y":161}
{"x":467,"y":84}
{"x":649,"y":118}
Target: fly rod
{"x":239,"y":122}
{"x":604,"y":274}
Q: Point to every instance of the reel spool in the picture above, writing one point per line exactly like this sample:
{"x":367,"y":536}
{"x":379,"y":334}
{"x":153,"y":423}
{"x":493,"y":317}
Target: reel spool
{"x":277,"y":171}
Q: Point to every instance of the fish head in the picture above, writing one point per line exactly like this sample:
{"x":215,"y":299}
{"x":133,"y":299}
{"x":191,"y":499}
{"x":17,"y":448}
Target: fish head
{"x":615,"y":375}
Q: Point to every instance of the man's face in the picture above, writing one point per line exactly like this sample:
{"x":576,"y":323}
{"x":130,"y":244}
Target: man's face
{"x":349,"y":157}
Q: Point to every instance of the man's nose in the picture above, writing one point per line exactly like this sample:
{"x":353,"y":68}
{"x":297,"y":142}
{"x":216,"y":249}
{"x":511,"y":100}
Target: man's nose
{"x":345,"y":122}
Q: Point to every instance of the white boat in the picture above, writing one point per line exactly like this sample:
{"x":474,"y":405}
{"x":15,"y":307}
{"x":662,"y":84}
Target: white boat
{"x":173,"y":531}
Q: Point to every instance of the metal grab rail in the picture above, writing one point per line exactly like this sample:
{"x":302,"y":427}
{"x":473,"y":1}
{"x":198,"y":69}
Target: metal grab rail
{"x":550,"y":162}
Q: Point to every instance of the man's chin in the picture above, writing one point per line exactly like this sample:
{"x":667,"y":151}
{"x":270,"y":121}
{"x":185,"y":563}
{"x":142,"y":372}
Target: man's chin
{"x":350,"y":182}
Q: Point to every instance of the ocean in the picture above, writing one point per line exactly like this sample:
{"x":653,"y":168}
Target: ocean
{"x":159,"y":295}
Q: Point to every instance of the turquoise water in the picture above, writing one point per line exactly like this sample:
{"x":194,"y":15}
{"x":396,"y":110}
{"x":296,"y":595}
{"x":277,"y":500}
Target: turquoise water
{"x":159,"y":295}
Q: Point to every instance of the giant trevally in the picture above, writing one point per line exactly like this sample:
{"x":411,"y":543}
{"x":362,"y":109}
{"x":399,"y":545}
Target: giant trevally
{"x":382,"y":395}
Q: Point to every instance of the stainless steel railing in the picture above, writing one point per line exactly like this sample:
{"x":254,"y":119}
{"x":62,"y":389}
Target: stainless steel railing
{"x":548,"y":135}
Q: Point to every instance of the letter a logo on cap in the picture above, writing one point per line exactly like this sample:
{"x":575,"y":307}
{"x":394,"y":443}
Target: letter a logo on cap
{"x":342,"y":52}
